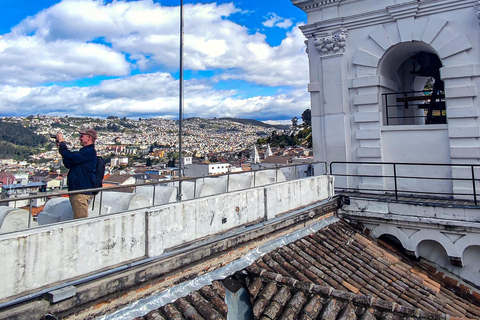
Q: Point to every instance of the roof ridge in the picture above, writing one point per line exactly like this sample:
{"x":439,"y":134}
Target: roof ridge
{"x":359,"y":299}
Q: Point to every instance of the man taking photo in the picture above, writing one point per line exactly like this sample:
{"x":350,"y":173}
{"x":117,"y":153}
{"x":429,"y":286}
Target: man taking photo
{"x":82,"y":165}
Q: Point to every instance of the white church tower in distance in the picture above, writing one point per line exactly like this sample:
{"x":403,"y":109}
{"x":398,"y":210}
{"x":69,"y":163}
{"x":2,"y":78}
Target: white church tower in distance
{"x":268,"y":152}
{"x":254,"y":157}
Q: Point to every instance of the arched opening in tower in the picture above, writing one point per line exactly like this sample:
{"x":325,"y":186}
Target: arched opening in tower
{"x":419,"y":98}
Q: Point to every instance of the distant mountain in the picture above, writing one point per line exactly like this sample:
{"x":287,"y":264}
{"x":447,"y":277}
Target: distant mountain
{"x":16,"y":141}
{"x":257,"y":123}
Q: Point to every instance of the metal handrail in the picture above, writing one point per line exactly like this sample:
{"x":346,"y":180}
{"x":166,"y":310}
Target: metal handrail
{"x":50,"y":194}
{"x":396,"y":177}
{"x":406,"y":100}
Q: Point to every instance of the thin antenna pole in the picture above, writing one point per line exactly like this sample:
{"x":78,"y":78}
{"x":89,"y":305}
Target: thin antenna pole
{"x":180,"y":113}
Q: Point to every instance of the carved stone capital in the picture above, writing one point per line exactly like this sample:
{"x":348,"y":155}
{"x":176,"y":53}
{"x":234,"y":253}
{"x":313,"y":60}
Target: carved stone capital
{"x":332,"y":43}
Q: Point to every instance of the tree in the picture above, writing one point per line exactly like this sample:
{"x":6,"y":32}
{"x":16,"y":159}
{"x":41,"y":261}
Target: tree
{"x":294,"y":121}
{"x":171,"y":163}
{"x":307,"y":117}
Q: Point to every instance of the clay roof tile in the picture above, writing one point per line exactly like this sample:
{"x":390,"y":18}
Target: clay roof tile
{"x":331,"y":309}
{"x":277,"y":303}
{"x":312,"y":308}
{"x":171,"y":312}
{"x":215,"y":299}
{"x":155,"y":315}
{"x":255,"y":287}
{"x":348,"y":313}
{"x":203,"y":307}
{"x":264,"y":298}
{"x":187,"y":309}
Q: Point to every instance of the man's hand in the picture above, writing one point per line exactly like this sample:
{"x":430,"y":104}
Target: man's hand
{"x":60,"y":138}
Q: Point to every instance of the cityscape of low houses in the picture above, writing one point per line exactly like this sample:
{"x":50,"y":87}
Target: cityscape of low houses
{"x":218,"y":147}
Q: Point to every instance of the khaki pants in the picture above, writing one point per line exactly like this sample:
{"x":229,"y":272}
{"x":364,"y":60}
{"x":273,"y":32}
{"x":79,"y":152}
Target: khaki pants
{"x":80,"y":204}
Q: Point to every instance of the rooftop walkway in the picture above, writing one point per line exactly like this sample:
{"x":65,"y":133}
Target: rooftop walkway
{"x":410,"y":199}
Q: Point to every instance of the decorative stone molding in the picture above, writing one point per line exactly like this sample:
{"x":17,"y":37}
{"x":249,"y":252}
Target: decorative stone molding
{"x":308,"y":5}
{"x":332,"y":43}
{"x":477,"y":7}
{"x":402,"y":11}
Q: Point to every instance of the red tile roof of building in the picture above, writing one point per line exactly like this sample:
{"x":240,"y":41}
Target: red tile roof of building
{"x":335,"y":273}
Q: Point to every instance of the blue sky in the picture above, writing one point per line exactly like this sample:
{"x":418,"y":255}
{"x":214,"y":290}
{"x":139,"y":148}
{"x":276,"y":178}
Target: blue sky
{"x":98,"y":58}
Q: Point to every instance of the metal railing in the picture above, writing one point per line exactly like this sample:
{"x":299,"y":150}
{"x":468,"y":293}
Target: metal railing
{"x":419,"y":180}
{"x":432,"y":180}
{"x":402,"y":108}
{"x":306,"y":168}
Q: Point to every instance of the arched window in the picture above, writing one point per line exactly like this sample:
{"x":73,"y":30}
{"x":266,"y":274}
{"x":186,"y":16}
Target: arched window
{"x":419,"y":98}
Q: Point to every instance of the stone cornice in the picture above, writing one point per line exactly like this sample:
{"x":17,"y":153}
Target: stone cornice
{"x":309,"y":5}
{"x":428,"y":7}
{"x":477,"y":7}
{"x":389,"y":14}
{"x":401,"y":11}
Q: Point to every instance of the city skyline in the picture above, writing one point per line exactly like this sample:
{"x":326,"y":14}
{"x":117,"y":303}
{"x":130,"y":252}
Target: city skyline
{"x":101,"y":58}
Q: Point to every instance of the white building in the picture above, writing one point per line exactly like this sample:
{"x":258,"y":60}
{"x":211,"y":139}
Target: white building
{"x":367,"y":57}
{"x":118,"y":161}
{"x":206,"y":169}
{"x":8,"y":161}
{"x":18,"y":191}
{"x":254,"y":157}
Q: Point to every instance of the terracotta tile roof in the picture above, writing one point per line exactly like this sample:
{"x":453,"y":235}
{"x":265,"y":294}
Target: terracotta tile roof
{"x":34,"y":210}
{"x":335,"y":273}
{"x":277,"y":159}
{"x":339,"y":270}
{"x":206,"y":303}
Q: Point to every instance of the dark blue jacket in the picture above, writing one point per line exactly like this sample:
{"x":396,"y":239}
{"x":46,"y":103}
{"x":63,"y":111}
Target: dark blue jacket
{"x":82,"y":165}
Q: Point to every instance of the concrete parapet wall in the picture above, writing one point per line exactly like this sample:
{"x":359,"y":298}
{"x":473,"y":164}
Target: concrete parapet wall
{"x":288,"y":196}
{"x":37,"y":258}
{"x":178,"y":223}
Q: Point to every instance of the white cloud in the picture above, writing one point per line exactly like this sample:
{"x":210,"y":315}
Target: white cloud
{"x":285,"y":65}
{"x":149,"y":34}
{"x":148,"y":94}
{"x":278,"y":122}
{"x":77,"y":39}
{"x":28,"y":60}
{"x":276,"y":21}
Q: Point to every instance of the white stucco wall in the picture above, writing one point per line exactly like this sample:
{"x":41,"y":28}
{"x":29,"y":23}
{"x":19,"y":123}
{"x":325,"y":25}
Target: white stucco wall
{"x":46,"y":255}
{"x":347,"y":83}
{"x":418,"y":144}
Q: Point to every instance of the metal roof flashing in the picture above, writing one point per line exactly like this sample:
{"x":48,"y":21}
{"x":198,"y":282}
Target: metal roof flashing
{"x":143,"y":306}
